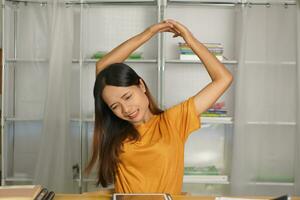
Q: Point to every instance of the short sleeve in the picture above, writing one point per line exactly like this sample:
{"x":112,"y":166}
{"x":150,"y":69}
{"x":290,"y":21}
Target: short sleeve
{"x":183,"y":117}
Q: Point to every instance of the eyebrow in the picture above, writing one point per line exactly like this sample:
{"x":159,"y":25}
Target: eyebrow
{"x":121,"y":98}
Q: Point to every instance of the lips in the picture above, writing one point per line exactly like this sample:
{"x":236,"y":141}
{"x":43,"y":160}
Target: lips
{"x":133,"y":115}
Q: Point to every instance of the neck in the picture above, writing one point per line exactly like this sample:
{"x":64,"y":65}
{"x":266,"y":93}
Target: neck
{"x":148,"y":115}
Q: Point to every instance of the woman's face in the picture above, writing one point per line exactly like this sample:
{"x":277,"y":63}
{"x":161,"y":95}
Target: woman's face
{"x":128,"y":103}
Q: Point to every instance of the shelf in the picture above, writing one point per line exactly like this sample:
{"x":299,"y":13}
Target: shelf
{"x":126,"y":61}
{"x":11,"y":60}
{"x":206,"y":3}
{"x":152,"y":2}
{"x":216,"y":120}
{"x":114,"y":2}
{"x":88,"y":120}
{"x":272,"y":183}
{"x":206,"y":179}
{"x":91,"y":2}
{"x":268,"y":2}
{"x":199,"y":62}
{"x":205,"y":120}
{"x":214,"y":179}
{"x":229,"y":3}
{"x":287,"y":63}
{"x":109,"y":1}
{"x":11,"y":119}
{"x":33,"y":119}
{"x":26,"y":179}
{"x":18,"y":179}
{"x":272,"y":123}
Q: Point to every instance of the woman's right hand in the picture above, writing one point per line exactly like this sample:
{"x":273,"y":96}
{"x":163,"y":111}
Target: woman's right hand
{"x":160,"y":27}
{"x":180,"y":30}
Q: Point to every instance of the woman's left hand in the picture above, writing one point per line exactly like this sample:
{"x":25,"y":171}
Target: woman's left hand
{"x":179,"y":30}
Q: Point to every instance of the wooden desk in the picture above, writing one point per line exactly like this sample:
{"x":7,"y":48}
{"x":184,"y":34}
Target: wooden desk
{"x":94,"y":196}
{"x":108,"y":197}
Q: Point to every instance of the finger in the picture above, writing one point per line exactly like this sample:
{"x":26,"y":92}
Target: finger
{"x":168,"y":29}
{"x":165,"y":30}
{"x":176,"y":24}
{"x":174,"y":27}
{"x":161,"y":26}
{"x":177,"y":32}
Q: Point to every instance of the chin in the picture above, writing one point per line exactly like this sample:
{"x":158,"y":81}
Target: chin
{"x":137,"y":120}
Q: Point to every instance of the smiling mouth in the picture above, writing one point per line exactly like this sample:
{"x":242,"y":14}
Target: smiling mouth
{"x":133,"y":115}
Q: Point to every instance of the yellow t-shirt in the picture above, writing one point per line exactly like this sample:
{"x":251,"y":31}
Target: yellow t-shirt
{"x":155,"y":163}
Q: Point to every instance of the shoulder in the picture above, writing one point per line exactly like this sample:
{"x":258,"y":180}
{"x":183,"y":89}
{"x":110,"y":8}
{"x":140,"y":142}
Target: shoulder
{"x":183,"y":106}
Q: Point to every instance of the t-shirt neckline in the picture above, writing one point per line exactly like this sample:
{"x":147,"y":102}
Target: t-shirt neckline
{"x":147,"y":123}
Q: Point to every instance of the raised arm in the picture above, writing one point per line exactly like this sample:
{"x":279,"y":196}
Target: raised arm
{"x":121,"y":52}
{"x":221,"y":77}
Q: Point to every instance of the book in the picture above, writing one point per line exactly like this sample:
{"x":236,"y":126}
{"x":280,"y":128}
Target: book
{"x":205,"y":114}
{"x":25,"y":192}
{"x":217,"y":110}
{"x":188,"y":57}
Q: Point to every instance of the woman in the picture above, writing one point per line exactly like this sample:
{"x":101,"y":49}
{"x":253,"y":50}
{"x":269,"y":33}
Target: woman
{"x":137,"y":146}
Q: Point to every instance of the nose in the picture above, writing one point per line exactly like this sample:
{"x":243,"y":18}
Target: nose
{"x":125,"y":108}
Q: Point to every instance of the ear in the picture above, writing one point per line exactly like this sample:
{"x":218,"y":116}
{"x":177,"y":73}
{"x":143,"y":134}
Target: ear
{"x":142,"y":85}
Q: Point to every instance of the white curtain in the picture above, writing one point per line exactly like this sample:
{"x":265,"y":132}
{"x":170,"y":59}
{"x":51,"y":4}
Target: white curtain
{"x":297,"y":157}
{"x":266,"y":139}
{"x":237,"y":176}
{"x":54,"y":165}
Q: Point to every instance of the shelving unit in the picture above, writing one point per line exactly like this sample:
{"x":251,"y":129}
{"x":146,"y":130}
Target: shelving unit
{"x":160,"y":67}
{"x":157,"y":62}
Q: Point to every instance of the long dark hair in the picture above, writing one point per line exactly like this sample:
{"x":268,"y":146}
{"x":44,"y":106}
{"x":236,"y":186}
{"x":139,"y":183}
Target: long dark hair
{"x":109,"y":130}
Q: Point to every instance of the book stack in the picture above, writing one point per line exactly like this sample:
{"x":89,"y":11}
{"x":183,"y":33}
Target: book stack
{"x":186,"y":53}
{"x":216,"y":49}
{"x":25,"y":192}
{"x":217,"y":110}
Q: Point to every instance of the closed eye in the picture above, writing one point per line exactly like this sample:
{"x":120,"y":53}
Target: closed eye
{"x":114,"y":107}
{"x":128,"y":97}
